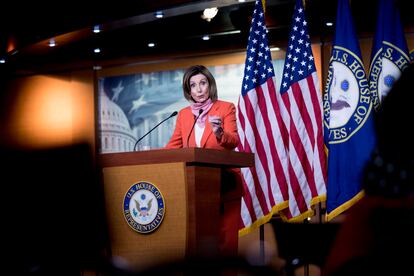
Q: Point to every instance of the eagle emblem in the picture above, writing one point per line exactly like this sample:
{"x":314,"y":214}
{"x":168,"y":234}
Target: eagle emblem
{"x":144,"y":207}
{"x":143,"y":211}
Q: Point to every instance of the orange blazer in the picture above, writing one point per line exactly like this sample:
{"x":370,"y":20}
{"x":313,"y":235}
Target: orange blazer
{"x":185,"y":120}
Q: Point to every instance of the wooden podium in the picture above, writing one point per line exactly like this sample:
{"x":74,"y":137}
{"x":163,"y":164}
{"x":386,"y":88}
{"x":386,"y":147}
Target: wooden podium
{"x":189,"y":180}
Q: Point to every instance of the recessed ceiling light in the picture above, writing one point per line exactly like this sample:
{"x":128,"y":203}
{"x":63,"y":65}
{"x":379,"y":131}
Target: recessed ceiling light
{"x":205,"y":37}
{"x":97,"y":50}
{"x":159,"y":14}
{"x":329,"y":24}
{"x":151,"y":44}
{"x":52,"y":42}
{"x":209,"y":14}
{"x":96,"y":29}
{"x":275,"y":49}
{"x":2,"y":60}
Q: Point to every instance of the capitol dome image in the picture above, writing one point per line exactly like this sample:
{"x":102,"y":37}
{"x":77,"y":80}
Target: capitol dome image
{"x":114,"y":129}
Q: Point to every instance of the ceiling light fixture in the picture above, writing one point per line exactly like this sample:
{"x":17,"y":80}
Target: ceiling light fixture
{"x":2,"y":60}
{"x":205,"y":37}
{"x":329,"y":24}
{"x":151,"y":44}
{"x":97,"y":50}
{"x":52,"y":42}
{"x":275,"y":49}
{"x":159,"y":14}
{"x":96,"y":29}
{"x":209,"y":14}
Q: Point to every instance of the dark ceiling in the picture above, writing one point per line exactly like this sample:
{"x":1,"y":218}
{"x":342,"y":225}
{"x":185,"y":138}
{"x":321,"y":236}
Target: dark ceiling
{"x":128,"y":26}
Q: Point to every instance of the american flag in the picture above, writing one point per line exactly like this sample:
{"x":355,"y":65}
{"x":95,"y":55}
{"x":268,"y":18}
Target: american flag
{"x":303,"y":101}
{"x":261,"y":130}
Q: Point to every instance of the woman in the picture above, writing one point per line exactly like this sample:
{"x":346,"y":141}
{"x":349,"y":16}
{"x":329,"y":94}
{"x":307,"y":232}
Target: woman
{"x":199,"y":87}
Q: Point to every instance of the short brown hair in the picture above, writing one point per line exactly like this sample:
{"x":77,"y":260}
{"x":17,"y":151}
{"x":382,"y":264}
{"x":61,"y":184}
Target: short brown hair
{"x":195,"y":70}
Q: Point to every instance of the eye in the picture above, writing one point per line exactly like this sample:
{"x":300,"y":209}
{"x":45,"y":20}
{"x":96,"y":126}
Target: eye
{"x":345,"y":85}
{"x":192,"y":85}
{"x":389,"y":80}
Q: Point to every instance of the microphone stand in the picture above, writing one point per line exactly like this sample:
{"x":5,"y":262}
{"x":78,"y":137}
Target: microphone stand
{"x":172,"y":115}
{"x":195,"y":121}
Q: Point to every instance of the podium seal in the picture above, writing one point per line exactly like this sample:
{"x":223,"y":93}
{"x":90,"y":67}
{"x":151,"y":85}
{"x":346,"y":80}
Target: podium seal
{"x":144,"y":207}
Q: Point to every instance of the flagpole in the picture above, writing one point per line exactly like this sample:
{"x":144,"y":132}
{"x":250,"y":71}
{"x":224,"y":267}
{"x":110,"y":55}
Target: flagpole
{"x":262,"y":249}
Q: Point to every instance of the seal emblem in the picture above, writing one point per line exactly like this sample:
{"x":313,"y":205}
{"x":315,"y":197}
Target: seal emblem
{"x":347,"y":100}
{"x":386,"y":67}
{"x":144,"y":207}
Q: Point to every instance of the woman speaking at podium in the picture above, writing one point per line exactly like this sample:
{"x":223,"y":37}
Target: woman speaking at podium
{"x":192,"y":130}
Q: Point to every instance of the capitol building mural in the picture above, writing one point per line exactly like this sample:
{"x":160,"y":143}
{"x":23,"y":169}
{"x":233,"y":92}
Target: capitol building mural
{"x":115,"y":133}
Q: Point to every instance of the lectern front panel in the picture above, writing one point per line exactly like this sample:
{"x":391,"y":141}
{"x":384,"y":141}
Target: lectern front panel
{"x":166,"y":243}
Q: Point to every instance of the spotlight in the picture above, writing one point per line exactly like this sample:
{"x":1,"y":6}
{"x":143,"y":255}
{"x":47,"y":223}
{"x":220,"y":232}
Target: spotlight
{"x":209,"y":14}
{"x":96,"y":29}
{"x":159,"y":14}
{"x":52,"y":42}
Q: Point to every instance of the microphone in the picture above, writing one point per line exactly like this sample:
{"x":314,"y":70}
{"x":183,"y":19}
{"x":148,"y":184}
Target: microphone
{"x":142,"y":137}
{"x":195,"y":121}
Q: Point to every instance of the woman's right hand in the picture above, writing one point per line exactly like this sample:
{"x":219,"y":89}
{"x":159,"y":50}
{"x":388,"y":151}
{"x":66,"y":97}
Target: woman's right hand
{"x":216,"y":125}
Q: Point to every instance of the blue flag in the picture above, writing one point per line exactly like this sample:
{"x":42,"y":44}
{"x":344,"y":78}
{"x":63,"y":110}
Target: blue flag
{"x":389,"y":56}
{"x":348,"y":117}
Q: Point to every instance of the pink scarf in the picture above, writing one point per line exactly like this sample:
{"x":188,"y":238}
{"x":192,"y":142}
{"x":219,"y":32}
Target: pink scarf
{"x":205,"y":106}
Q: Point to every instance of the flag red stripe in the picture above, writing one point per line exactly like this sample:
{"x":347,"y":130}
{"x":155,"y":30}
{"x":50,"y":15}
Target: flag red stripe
{"x":319,"y":121}
{"x":293,"y":178}
{"x":278,"y":166}
{"x":247,"y":197}
{"x":283,"y":130}
{"x":296,"y":190}
{"x":296,"y":187}
{"x":303,"y":110}
{"x":274,"y":152}
{"x":297,"y":138}
{"x":246,"y":148}
{"x":260,"y":153}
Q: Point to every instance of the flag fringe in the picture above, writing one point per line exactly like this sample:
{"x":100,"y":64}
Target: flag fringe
{"x":275,"y":210}
{"x":345,"y":206}
{"x":300,"y":218}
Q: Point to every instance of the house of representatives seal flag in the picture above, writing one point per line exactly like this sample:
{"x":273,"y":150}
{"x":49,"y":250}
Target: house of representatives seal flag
{"x":389,"y":56}
{"x":348,"y":117}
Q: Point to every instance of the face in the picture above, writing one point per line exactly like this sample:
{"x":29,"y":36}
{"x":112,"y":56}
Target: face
{"x":200,"y":88}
